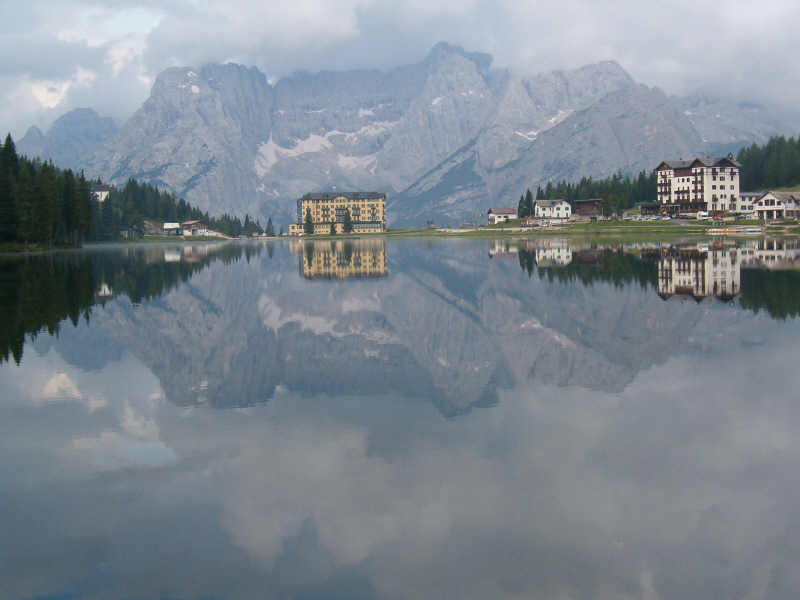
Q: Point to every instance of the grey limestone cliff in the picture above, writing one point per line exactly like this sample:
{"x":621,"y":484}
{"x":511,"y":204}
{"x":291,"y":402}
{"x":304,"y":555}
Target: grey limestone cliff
{"x":70,"y":139}
{"x":445,"y":138}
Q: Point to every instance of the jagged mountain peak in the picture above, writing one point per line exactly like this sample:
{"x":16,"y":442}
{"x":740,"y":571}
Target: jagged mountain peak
{"x":450,"y":127}
{"x":70,"y":139}
{"x":444,"y":50}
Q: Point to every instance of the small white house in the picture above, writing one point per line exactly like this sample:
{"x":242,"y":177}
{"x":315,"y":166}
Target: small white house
{"x":552,"y":209}
{"x":100,"y":192}
{"x":172,"y":228}
{"x":194,"y":228}
{"x":501,"y":215}
{"x":776,"y":205}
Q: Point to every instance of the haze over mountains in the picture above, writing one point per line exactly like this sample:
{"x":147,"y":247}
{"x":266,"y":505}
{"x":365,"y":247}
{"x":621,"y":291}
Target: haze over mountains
{"x":445,"y":138}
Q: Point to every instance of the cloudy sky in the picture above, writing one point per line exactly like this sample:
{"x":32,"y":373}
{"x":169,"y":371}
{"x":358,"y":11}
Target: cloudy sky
{"x":58,"y":56}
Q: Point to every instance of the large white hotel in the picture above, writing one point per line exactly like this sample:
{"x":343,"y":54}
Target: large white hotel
{"x":710,"y":184}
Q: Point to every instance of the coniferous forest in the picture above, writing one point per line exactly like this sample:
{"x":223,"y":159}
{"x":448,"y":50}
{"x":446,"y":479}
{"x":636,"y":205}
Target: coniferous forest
{"x":44,"y":206}
{"x":40,"y":204}
{"x":617,"y":192}
{"x":775,"y":164}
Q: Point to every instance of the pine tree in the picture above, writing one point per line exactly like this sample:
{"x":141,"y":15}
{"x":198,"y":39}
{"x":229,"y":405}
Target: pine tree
{"x":23,"y":194}
{"x":270,"y":228}
{"x":528,"y":203}
{"x":347,"y":224}
{"x":333,"y":228}
{"x":10,"y":151}
{"x":107,"y":220}
{"x":308,"y":224}
{"x":8,"y":211}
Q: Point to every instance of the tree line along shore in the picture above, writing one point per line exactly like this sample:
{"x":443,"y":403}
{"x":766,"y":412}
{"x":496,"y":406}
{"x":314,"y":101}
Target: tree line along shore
{"x":43,"y":206}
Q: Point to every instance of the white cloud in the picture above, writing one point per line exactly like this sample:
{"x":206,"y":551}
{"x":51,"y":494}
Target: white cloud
{"x":681,"y":46}
{"x":61,"y":388}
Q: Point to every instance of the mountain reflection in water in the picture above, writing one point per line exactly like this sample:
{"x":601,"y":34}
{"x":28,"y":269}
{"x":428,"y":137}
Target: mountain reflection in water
{"x":447,"y":326}
{"x":539,"y":422}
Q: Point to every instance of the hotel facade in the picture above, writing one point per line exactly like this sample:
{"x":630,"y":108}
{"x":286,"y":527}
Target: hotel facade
{"x":367,"y":212}
{"x":710,"y":184}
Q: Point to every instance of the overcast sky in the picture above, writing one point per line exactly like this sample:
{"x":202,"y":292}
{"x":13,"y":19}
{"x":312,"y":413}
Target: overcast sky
{"x":105,"y":54}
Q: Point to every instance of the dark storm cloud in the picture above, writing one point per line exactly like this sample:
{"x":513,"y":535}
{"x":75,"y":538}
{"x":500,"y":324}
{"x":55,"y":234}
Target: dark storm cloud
{"x":743,"y":50}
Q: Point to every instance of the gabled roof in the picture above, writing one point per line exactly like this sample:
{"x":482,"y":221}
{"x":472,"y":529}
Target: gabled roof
{"x":785,"y":196}
{"x":348,"y":195}
{"x":674,"y":164}
{"x":549,"y":203}
{"x":502,"y":211}
{"x":587,"y":201}
{"x":707,"y":161}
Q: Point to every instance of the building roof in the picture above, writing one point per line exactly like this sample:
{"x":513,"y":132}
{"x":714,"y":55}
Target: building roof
{"x":550,"y":203}
{"x":587,"y":201}
{"x":190,"y":223}
{"x":785,"y":196}
{"x":707,"y":161}
{"x":349,"y":195}
{"x":502,"y":211}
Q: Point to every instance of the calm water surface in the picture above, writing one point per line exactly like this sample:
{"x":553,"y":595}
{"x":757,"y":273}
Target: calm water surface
{"x":402,"y":419}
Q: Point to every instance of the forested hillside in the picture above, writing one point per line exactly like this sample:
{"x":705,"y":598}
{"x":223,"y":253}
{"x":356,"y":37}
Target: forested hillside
{"x":43,"y":206}
{"x":775,"y":164}
{"x":40,"y":204}
{"x":128,"y":207}
{"x":618,"y":192}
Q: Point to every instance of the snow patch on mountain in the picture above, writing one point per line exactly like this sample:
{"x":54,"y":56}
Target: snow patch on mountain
{"x":353,"y":163}
{"x":269,"y":153}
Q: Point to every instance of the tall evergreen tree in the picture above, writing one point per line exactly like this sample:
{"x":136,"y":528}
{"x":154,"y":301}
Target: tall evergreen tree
{"x":308,"y":223}
{"x":270,"y":227}
{"x":8,"y":209}
{"x":12,"y":159}
{"x":528,"y":203}
{"x":347,"y":224}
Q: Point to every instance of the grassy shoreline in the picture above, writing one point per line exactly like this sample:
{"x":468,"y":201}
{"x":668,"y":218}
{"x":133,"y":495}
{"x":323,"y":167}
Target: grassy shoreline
{"x":611,"y":229}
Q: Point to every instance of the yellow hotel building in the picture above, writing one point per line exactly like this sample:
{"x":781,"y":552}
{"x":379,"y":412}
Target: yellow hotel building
{"x":367,"y":212}
{"x":341,"y":259}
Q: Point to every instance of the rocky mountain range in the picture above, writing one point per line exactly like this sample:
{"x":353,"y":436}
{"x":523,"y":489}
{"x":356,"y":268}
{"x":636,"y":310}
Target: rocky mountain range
{"x":71,"y":139}
{"x":445,"y":138}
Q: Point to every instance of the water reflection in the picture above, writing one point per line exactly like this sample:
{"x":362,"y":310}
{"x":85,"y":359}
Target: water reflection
{"x":597,"y":441}
{"x":341,"y":259}
{"x":701,"y":270}
{"x":37,"y":292}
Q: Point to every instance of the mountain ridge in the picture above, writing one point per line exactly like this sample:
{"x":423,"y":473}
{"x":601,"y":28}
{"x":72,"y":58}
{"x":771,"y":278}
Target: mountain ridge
{"x":446,"y":137}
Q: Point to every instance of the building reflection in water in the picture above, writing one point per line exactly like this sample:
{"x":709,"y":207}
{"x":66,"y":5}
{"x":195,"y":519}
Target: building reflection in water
{"x":701,"y":270}
{"x":341,"y":259}
{"x":696,"y":270}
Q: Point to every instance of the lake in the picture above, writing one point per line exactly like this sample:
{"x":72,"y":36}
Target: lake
{"x":402,"y":418}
